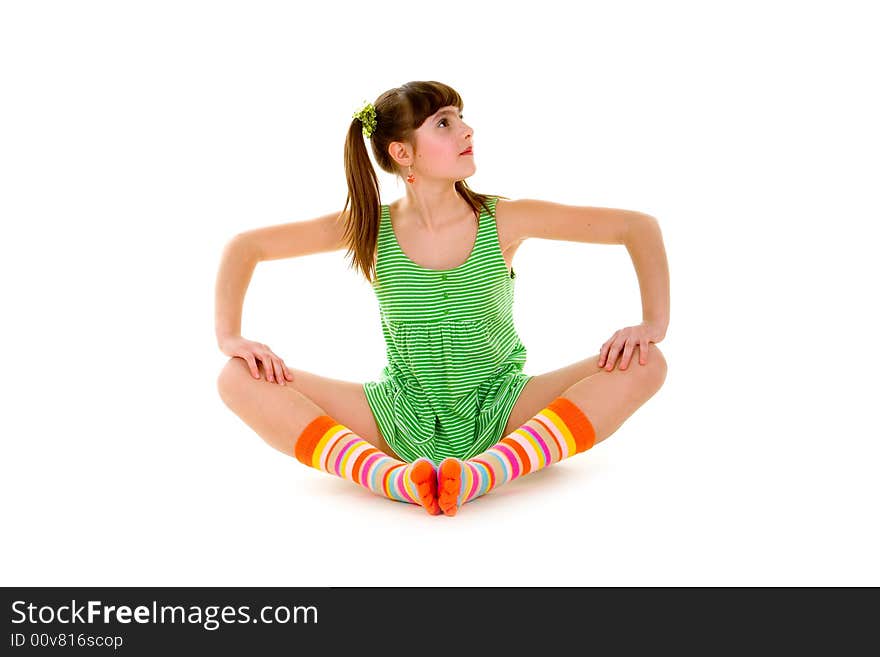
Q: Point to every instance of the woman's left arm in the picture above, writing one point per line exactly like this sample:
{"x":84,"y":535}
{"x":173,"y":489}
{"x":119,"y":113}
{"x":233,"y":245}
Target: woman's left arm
{"x":640,"y":233}
{"x":644,"y":242}
{"x":645,"y":245}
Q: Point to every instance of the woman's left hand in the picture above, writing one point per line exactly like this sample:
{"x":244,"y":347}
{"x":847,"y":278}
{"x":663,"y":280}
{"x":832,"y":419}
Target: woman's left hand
{"x":625,"y":340}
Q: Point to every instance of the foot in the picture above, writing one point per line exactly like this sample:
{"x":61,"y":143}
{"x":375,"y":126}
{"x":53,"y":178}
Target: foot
{"x":449,"y":485}
{"x":424,"y":476}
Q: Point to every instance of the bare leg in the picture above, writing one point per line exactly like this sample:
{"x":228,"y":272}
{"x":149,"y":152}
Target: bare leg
{"x":283,"y":417}
{"x":278,"y":414}
{"x":609,"y":398}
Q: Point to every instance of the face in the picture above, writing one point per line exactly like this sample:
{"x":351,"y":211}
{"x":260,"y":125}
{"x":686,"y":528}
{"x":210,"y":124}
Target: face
{"x":439,"y":143}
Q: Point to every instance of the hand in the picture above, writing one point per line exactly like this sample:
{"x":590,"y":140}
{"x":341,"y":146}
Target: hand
{"x":627,"y":339}
{"x":251,"y":352}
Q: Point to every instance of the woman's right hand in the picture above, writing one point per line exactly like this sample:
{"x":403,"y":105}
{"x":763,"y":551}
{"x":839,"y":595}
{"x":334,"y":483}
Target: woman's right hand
{"x":251,"y":352}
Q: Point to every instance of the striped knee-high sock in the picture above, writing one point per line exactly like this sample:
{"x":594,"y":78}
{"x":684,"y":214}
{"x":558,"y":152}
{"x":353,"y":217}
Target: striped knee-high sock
{"x":329,"y":446}
{"x":557,"y":432}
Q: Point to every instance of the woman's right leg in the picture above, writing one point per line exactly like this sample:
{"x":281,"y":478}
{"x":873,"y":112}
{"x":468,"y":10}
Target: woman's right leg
{"x":330,"y":427}
{"x":308,"y":396}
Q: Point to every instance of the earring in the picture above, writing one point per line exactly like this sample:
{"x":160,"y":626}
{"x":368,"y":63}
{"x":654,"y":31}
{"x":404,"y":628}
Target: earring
{"x":410,"y":178}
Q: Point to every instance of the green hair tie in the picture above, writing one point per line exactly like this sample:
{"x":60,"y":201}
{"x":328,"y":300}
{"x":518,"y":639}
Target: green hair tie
{"x":367,"y":115}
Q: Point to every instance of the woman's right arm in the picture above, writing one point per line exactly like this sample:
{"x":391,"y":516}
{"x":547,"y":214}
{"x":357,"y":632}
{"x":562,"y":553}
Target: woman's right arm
{"x":240,"y":257}
{"x":237,"y":266}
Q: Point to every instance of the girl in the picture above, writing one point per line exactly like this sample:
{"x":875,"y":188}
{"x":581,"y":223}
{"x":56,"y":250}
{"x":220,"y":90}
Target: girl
{"x":454,"y":415}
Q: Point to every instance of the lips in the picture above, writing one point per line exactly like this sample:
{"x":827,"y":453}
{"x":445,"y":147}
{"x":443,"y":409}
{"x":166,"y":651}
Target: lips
{"x":467,"y":152}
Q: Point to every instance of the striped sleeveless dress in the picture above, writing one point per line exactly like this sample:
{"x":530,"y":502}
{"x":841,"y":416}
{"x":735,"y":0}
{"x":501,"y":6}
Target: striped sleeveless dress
{"x":454,"y":360}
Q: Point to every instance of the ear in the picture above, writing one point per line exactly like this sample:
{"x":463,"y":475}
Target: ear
{"x":400,"y":153}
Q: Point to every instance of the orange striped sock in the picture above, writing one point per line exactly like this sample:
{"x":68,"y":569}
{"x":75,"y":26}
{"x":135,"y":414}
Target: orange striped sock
{"x":559,"y":431}
{"x":329,"y":446}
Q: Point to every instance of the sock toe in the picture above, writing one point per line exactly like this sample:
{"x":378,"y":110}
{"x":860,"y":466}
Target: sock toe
{"x":424,"y":476}
{"x":449,"y":486}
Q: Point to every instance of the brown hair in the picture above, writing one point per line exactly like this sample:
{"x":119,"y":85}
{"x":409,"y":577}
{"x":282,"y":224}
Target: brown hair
{"x":399,"y":113}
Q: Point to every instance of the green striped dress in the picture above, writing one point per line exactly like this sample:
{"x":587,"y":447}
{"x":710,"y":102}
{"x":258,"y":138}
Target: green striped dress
{"x":455,"y":361}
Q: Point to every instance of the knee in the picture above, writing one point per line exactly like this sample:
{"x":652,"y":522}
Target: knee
{"x":652,"y":374}
{"x":656,"y":365}
{"x":230,"y":378}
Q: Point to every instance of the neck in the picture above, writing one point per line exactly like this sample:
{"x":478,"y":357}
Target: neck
{"x":432,"y":207}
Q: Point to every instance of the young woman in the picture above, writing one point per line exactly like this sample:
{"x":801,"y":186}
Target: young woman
{"x":453,"y":415}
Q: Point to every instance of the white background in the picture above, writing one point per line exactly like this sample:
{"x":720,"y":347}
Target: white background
{"x":138,"y":138}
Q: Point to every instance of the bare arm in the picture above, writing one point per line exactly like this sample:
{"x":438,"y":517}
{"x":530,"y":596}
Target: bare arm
{"x":644,"y":241}
{"x":245,"y":250}
{"x":237,"y":266}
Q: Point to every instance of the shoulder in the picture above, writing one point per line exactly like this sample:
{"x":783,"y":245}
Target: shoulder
{"x":510,"y":218}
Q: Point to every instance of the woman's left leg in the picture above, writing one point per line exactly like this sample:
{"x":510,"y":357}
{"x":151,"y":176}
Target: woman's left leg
{"x":563,"y":422}
{"x":544,"y":388}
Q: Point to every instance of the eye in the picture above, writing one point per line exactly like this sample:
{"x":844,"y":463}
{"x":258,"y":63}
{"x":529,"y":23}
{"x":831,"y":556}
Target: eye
{"x":461,"y":116}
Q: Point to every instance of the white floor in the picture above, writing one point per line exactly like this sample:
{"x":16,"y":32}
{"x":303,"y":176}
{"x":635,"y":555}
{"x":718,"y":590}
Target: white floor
{"x":682,"y":494}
